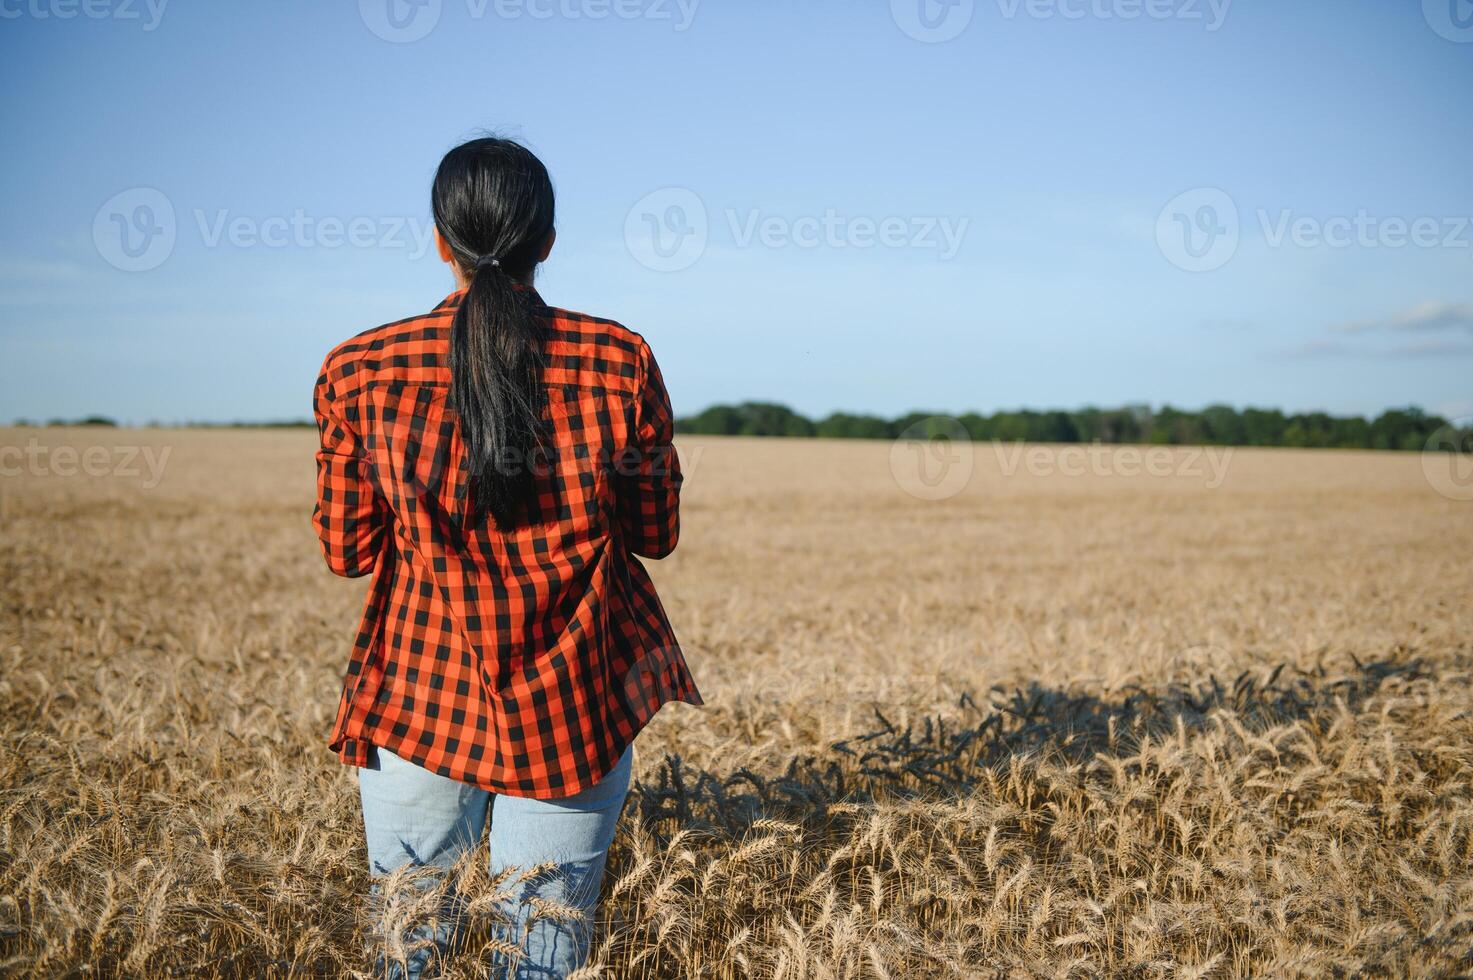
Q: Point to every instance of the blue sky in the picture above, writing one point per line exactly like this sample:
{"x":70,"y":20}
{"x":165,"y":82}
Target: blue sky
{"x":1068,"y":202}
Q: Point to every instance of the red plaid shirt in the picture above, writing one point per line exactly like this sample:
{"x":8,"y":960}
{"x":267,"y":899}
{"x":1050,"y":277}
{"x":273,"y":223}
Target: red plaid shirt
{"x":521,"y":660}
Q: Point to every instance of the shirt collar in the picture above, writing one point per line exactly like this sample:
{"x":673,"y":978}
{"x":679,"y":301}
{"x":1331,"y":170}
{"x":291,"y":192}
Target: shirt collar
{"x":452,"y":301}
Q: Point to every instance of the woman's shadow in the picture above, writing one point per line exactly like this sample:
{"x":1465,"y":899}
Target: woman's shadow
{"x":942,"y":757}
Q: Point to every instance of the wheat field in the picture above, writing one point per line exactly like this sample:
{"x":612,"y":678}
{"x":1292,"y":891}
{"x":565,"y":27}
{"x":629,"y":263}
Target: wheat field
{"x":1081,"y":718}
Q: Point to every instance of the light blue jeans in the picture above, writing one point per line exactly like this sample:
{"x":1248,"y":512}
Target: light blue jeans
{"x":414,"y":817}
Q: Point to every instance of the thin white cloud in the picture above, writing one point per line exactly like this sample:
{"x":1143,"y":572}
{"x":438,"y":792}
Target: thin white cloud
{"x":1430,"y":348}
{"x":1428,"y":317}
{"x":1336,"y":348}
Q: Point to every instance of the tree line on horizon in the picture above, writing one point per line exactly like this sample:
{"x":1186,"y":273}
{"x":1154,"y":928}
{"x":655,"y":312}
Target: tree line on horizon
{"x":1401,"y":429}
{"x":1398,"y":429}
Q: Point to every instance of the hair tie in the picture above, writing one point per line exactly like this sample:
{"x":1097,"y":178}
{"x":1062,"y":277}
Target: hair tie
{"x":486,"y":260}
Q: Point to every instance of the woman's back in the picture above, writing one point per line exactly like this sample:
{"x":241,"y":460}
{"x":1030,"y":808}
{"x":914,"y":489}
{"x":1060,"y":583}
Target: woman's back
{"x":518,"y":655}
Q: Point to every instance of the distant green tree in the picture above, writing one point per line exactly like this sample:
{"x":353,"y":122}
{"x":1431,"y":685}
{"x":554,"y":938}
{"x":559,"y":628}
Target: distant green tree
{"x":1352,"y":433}
{"x":842,"y":425}
{"x":767,"y":419}
{"x":1400,"y":429}
{"x":1408,"y":428}
{"x":1053,"y":427}
{"x":979,"y":427}
{"x":101,"y":421}
{"x":1087,"y":424}
{"x":1122,"y":425}
{"x":1262,"y":427}
{"x":718,"y":420}
{"x":910,"y":420}
{"x":1172,"y":427}
{"x":1223,"y":425}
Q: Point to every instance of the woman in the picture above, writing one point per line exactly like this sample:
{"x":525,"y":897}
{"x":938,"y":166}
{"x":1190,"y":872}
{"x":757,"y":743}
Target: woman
{"x":496,"y":465}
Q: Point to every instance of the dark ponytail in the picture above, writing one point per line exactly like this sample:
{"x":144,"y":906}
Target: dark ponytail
{"x":493,"y":205}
